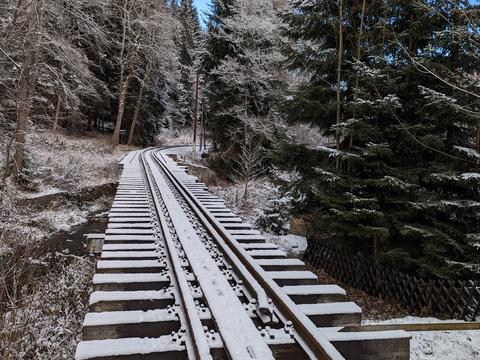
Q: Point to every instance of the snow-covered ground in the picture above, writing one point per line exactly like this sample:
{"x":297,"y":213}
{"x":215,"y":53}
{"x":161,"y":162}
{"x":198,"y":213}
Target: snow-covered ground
{"x":46,"y":322}
{"x":57,"y":164}
{"x":43,"y":307}
{"x":439,"y":345}
{"x":72,"y":162}
{"x":293,"y":245}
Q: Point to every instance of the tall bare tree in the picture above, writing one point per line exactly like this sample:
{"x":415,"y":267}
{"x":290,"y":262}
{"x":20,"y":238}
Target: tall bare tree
{"x":138,"y":106}
{"x":250,"y":162}
{"x":25,"y":83}
{"x":123,"y":82}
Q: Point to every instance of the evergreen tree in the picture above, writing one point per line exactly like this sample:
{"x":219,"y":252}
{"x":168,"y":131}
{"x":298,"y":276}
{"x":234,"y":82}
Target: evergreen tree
{"x":244,"y":71}
{"x":217,"y":47}
{"x":189,"y":57}
{"x":403,"y":182}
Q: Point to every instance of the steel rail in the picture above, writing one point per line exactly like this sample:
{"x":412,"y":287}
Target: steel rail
{"x":198,"y":338}
{"x":317,"y":343}
{"x":251,"y":283}
{"x":239,"y":334}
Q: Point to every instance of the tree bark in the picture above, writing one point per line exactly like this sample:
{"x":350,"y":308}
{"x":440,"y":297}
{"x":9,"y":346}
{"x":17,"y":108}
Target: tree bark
{"x":477,"y":143}
{"x":121,"y":108}
{"x":339,"y":78}
{"x":359,"y":46}
{"x":24,"y":86}
{"x":137,"y":111}
{"x":59,"y":97}
{"x":122,"y":83}
{"x":376,"y":247}
{"x":359,"y":53}
{"x":122,"y":48}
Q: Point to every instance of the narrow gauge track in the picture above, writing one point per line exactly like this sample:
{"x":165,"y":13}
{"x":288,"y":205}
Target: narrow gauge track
{"x":182,"y":277}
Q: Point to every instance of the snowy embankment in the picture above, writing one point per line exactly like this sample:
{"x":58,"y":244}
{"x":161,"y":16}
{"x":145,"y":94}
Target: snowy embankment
{"x":45,"y":293}
{"x":439,"y":345}
{"x":62,"y":171}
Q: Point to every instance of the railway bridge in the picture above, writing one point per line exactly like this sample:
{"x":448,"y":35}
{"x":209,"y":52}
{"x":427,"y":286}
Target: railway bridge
{"x":181,"y":276}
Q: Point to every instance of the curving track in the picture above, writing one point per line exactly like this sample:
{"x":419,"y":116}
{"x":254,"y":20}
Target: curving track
{"x":182,"y":277}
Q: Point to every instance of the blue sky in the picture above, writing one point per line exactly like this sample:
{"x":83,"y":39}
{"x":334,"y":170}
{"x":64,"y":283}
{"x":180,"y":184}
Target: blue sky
{"x":202,"y":6}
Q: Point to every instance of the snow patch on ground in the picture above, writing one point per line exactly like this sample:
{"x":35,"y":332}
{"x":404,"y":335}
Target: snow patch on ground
{"x":48,"y":191}
{"x":293,"y":245}
{"x":259,"y":193}
{"x":439,"y":345}
{"x":46,"y":324}
{"x":65,"y":219}
{"x":59,"y":164}
{"x":178,"y":137}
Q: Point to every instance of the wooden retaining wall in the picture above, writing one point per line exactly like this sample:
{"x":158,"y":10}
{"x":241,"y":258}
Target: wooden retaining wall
{"x":445,"y":298}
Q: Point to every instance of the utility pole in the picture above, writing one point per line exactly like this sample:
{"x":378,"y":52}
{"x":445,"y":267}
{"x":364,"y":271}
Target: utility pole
{"x":202,"y":135}
{"x":204,"y":117}
{"x":195,"y":117}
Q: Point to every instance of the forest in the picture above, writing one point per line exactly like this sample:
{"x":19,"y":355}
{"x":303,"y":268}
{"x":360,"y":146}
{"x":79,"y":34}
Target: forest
{"x":372,"y":107}
{"x":355,"y":122}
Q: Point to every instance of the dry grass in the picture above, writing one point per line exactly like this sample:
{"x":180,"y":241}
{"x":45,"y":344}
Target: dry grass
{"x":373,"y":308}
{"x":43,"y":299}
{"x":69,"y":163}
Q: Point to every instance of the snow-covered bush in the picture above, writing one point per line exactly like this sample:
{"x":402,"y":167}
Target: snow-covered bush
{"x":274,"y":214}
{"x":266,"y":206}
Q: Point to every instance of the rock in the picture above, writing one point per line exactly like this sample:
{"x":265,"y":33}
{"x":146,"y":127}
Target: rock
{"x":203,"y":173}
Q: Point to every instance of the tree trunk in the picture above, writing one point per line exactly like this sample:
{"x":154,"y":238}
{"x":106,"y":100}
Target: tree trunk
{"x":121,"y":109}
{"x":122,"y":83}
{"x":477,"y":141}
{"x":122,"y":48}
{"x":359,"y":53}
{"x":384,"y":29}
{"x":359,"y":46}
{"x":24,"y":85}
{"x":137,"y":111}
{"x":59,"y":97}
{"x":204,"y":127}
{"x":376,"y":247}
{"x":339,"y":78}
{"x":245,"y":191}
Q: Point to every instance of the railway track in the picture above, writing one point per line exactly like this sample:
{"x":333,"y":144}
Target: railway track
{"x":182,"y":277}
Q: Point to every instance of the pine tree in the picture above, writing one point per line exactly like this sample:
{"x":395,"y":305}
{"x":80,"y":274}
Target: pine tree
{"x":406,"y":186}
{"x":217,"y":47}
{"x":245,"y":77}
{"x":189,"y":58}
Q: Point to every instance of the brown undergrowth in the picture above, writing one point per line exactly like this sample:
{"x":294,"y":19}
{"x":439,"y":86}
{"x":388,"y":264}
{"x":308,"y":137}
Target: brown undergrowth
{"x":373,"y":307}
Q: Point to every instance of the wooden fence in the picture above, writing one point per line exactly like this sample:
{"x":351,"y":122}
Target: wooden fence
{"x":445,"y":298}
